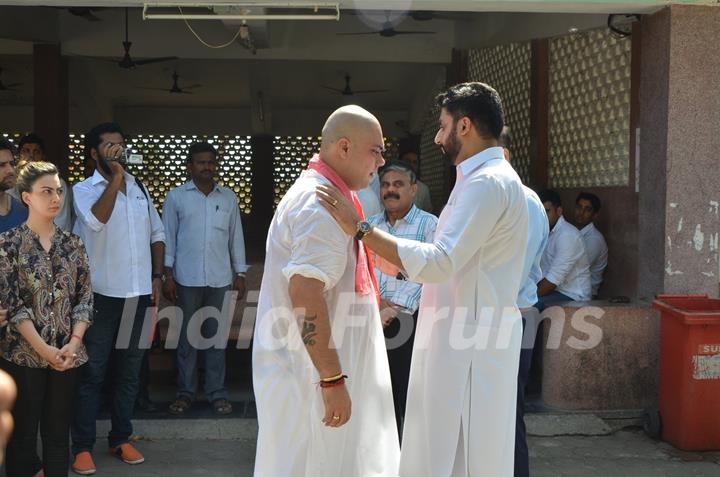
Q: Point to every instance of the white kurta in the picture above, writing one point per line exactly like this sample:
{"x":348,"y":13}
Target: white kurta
{"x":292,"y":441}
{"x":464,"y":390}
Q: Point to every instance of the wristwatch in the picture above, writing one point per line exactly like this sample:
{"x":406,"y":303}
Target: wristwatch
{"x":363,"y":229}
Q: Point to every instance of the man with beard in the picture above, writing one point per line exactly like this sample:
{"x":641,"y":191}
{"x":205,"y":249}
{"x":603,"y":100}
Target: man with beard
{"x":460,"y":418}
{"x":400,"y":297}
{"x":318,"y":350}
{"x":12,"y":212}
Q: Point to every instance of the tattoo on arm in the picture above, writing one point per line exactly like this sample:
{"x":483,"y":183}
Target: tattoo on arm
{"x":308,"y":331}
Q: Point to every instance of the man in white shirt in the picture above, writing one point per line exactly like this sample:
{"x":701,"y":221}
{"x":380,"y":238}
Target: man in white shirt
{"x":320,"y":369}
{"x":204,"y":260}
{"x":32,"y":149}
{"x":460,"y":418}
{"x":566,"y":271}
{"x":587,"y":208}
{"x":369,"y":197}
{"x":400,"y":297}
{"x":124,"y":236}
{"x":422,"y":197}
{"x":538,"y":231}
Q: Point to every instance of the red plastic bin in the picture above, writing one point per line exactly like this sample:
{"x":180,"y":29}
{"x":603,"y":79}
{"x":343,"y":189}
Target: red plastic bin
{"x":690,"y":371}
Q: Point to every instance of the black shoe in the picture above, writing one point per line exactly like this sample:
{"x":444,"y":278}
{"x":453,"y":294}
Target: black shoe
{"x":145,"y":405}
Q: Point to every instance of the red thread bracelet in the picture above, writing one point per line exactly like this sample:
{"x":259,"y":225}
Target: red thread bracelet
{"x":338,"y":382}
{"x":76,"y":336}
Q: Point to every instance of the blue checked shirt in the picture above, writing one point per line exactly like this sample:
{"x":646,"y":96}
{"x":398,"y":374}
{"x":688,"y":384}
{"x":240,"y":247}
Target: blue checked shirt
{"x":417,"y":225}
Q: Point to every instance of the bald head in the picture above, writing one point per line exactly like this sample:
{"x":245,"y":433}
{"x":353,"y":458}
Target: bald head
{"x":348,"y":122}
{"x":352,"y":145}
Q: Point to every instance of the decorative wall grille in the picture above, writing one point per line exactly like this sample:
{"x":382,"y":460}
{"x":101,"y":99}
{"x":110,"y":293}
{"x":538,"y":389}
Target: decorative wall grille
{"x":589,"y":110}
{"x":507,"y":69}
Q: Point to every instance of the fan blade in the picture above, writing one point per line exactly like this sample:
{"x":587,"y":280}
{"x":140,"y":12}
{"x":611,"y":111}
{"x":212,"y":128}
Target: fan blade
{"x":359,"y":33}
{"x":396,"y":32}
{"x":192,"y":86}
{"x":151,"y":88}
{"x":361,"y":91}
{"x":337,"y":90}
{"x":148,"y":61}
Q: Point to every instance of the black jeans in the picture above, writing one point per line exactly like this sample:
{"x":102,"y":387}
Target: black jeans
{"x":399,"y":338}
{"x":100,"y":341}
{"x":45,"y":398}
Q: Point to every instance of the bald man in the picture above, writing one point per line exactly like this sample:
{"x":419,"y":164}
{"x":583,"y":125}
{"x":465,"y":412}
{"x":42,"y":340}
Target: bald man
{"x":320,"y":371}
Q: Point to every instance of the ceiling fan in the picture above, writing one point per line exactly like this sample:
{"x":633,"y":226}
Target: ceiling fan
{"x":175,"y":88}
{"x":348,"y":91}
{"x":86,"y":13}
{"x":388,"y":31}
{"x":127,"y":62}
{"x":8,"y":87}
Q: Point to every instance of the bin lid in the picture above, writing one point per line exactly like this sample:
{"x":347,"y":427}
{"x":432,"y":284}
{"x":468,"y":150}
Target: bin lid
{"x":690,"y":309}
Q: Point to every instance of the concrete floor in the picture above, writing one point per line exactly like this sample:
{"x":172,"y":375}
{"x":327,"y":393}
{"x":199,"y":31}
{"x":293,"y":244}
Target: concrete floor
{"x":624,"y":453}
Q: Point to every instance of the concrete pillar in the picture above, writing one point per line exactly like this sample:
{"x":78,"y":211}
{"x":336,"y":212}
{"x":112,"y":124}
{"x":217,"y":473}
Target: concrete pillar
{"x":679,"y":151}
{"x":263,"y":194}
{"x":51,"y":102}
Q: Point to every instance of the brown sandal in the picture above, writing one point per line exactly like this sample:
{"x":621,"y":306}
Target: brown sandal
{"x":222,"y":407}
{"x":180,"y":406}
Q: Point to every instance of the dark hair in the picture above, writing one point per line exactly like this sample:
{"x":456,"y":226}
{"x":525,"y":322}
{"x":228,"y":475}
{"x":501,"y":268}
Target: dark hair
{"x":398,"y":166}
{"x":479,"y":102}
{"x":30,"y":172}
{"x":31,"y":138}
{"x":592,"y":198}
{"x":93,"y":139}
{"x":506,"y":138}
{"x":550,"y":196}
{"x":7,"y":145}
{"x":200,"y":147}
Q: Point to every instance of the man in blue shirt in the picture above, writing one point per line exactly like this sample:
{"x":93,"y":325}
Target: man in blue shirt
{"x":12,"y":212}
{"x":204,"y":259}
{"x":399,"y":297}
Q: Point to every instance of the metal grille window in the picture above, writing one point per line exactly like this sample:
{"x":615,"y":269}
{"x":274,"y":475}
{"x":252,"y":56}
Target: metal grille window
{"x":589,"y":110}
{"x":291,"y":156}
{"x":507,"y":69}
{"x":164,"y":163}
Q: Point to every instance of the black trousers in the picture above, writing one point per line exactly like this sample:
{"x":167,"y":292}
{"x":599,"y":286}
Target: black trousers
{"x":45,"y":399}
{"x":399,"y":338}
{"x":530,"y":320}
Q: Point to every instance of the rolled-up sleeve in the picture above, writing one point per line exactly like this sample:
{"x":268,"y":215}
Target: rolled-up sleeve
{"x":83,"y":305}
{"x":319,"y":246}
{"x":84,"y":198}
{"x":475,"y":213}
{"x":157,"y":233}
{"x":570,"y":249}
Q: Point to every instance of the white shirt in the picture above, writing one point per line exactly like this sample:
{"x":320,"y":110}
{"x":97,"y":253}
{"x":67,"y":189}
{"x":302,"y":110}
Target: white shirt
{"x":473,"y":270}
{"x":565,"y":263}
{"x":369,"y":198}
{"x":304,"y":239}
{"x":597,"y":253}
{"x":203,"y":236}
{"x":119,"y":251}
{"x":416,"y":225}
{"x":422,"y":197}
{"x":538,"y":231}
